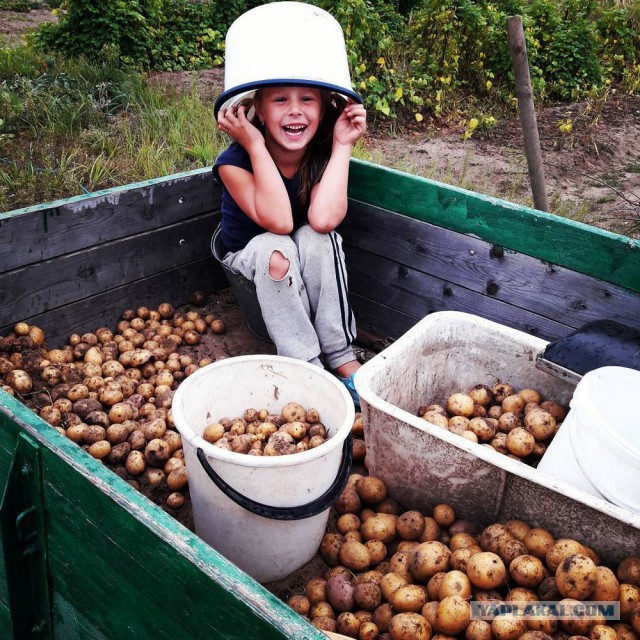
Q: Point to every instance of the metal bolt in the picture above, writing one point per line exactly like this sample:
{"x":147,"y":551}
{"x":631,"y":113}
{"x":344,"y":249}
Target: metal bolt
{"x":472,"y":252}
{"x":181,"y":242}
{"x":25,"y":470}
{"x":180,"y":200}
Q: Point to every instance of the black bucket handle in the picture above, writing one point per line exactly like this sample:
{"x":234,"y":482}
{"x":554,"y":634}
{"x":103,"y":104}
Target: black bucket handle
{"x":299,"y":512}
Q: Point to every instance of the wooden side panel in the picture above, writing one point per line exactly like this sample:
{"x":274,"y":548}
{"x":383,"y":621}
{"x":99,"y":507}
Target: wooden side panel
{"x":105,"y":309}
{"x":579,"y":247}
{"x":44,"y":286}
{"x":450,"y":270}
{"x":128,"y":568}
{"x":41,"y":233}
{"x":7,"y":444}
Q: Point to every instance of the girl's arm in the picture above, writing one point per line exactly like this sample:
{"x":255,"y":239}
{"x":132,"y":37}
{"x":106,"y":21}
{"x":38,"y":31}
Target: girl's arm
{"x":329,"y":197}
{"x":262,"y":194}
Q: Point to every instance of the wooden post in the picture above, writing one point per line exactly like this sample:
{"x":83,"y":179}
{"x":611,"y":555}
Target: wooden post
{"x":524,"y":93}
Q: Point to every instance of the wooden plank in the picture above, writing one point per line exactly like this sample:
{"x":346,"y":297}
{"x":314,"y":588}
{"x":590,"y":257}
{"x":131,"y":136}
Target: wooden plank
{"x":417,"y":294}
{"x":379,"y":319}
{"x":44,"y":232}
{"x":105,"y":309}
{"x":132,"y":569}
{"x":71,"y":624}
{"x":601,"y":254}
{"x":557,"y":293}
{"x":40,"y":287}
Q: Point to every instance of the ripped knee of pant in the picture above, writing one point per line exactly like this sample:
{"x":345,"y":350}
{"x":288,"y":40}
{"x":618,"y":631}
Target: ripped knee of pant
{"x":278,"y":266}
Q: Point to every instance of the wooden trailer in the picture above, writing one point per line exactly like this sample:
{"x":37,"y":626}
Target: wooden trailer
{"x":84,"y":555}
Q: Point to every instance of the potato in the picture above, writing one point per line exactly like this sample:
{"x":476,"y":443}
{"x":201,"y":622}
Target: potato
{"x":453,"y":615}
{"x":293,"y":412}
{"x":354,"y":555}
{"x":399,"y":563}
{"x":389,"y":583}
{"x":410,"y":597}
{"x":348,"y":522}
{"x":388,"y":505}
{"x":500,"y":391}
{"x":527,"y":570}
{"x":460,"y":557}
{"x":520,"y":442}
{"x":316,"y":590}
{"x":177,"y":479}
{"x":629,"y":597}
{"x":513,"y":404}
{"x":382,"y":616}
{"x":507,"y":626}
{"x":544,"y":621}
{"x":481,"y":394}
{"x":478,"y":630}
{"x":574,"y":623}
{"x":371,"y":490}
{"x":521,"y":594}
{"x":576,"y":577}
{"x":409,"y":626}
{"x":367,"y":596}
{"x":518,"y":528}
{"x":512,"y":549}
{"x":135,"y":463}
{"x":368,"y":631}
{"x":561,"y":549}
{"x":340,"y":593}
{"x":175,"y":500}
{"x":538,"y":542}
{"x":486,"y":570}
{"x":377,"y":551}
{"x":540,"y":424}
{"x":493,"y":537}
{"x":100,"y":449}
{"x":410,"y":525}
{"x":454,"y":583}
{"x":347,"y":624}
{"x":558,"y":412}
{"x":431,"y":530}
{"x":507,"y":422}
{"x":629,"y":570}
{"x":157,"y":452}
{"x":436,"y":418}
{"x":602,"y":632}
{"x":381,"y":527}
{"x":607,"y":587}
{"x":444,"y":515}
{"x":428,"y":559}
{"x":460,"y":404}
{"x":530,"y":395}
{"x":348,"y":502}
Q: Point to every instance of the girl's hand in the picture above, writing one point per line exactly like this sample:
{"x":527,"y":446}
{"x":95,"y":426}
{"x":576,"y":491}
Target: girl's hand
{"x":351,"y":125}
{"x":234,"y":122}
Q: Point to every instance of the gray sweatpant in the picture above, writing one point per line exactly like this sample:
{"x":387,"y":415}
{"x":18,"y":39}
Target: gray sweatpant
{"x":307,"y":313}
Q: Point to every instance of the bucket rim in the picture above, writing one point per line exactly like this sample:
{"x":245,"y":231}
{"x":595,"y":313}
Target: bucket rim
{"x":265,"y":462}
{"x":625,"y":450}
{"x":233,"y":95}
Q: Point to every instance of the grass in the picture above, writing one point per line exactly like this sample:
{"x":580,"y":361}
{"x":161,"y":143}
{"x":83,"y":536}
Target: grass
{"x":68,"y":127}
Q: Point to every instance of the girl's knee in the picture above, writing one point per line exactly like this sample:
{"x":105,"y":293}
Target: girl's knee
{"x":278,"y":265}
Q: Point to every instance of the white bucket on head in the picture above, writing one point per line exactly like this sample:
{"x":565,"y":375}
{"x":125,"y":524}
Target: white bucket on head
{"x":597,"y":448}
{"x":267,"y":549}
{"x":284,"y":43}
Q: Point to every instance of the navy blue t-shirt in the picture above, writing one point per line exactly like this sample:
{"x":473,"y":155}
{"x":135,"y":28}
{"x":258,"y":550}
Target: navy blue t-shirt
{"x":237,"y":228}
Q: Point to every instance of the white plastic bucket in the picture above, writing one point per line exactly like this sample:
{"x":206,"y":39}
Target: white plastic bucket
{"x":284,"y":43}
{"x":287,"y":489}
{"x":597,"y":448}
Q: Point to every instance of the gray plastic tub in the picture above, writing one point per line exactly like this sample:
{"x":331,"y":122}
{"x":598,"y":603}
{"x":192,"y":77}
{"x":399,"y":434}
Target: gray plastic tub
{"x":423,"y":464}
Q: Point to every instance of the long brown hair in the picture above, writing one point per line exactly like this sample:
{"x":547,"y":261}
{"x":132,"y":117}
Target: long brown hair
{"x":318,"y":153}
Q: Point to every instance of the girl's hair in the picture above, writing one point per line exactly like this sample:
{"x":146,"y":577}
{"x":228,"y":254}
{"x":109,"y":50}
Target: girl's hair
{"x":318,"y":153}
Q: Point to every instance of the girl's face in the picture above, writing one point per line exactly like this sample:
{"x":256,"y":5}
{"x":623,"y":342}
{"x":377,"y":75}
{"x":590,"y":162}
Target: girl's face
{"x":291,"y":115}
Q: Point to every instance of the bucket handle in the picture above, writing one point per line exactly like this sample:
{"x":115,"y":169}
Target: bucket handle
{"x":299,"y":512}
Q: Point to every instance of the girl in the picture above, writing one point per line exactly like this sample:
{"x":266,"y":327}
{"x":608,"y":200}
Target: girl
{"x":284,"y":193}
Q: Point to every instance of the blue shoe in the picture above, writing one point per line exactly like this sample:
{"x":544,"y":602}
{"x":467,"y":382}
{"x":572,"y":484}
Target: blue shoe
{"x":351,"y":388}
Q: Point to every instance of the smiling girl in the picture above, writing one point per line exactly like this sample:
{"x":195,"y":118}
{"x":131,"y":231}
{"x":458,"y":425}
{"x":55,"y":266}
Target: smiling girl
{"x":284,"y":193}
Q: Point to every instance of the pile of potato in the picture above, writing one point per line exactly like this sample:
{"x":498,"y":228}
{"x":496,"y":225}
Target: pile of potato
{"x":408,"y":576}
{"x":111,"y":391}
{"x":519,"y":424}
{"x":260,"y":433}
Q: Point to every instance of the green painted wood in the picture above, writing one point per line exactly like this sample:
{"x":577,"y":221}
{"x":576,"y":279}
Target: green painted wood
{"x":105,"y":309}
{"x":6,"y":629}
{"x":607,"y":256}
{"x":418,"y":294}
{"x":519,"y":280}
{"x":70,"y":624}
{"x":131,"y":569}
{"x":50,"y":284}
{"x":46,"y":231}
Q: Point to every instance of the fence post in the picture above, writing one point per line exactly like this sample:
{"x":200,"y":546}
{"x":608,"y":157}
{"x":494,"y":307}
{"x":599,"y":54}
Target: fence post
{"x":524,"y":93}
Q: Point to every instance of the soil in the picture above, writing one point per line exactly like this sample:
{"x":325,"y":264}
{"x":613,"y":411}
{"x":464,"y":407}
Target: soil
{"x":592,"y":173}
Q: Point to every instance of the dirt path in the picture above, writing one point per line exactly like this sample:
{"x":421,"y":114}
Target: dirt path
{"x":592,"y":173}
